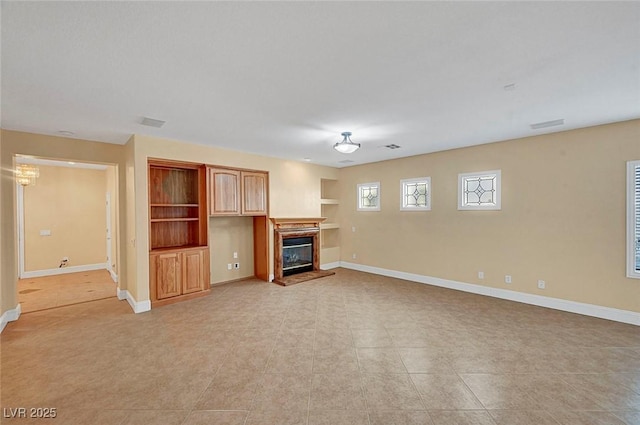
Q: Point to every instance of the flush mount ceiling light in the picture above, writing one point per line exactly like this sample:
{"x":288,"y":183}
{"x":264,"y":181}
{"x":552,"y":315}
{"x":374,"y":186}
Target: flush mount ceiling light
{"x":346,"y":146}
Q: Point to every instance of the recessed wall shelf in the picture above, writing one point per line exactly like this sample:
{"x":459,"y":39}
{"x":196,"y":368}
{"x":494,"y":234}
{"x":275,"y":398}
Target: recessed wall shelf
{"x":329,"y":230}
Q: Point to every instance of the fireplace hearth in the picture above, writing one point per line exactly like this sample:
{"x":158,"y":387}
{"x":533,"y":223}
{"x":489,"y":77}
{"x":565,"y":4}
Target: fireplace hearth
{"x":297,"y":250}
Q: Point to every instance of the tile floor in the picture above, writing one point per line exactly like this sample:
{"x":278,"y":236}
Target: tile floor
{"x":41,"y":293}
{"x":352,"y":348}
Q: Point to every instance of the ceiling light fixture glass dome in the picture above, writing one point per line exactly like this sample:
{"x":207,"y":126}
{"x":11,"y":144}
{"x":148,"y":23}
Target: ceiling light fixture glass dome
{"x":346,"y":145}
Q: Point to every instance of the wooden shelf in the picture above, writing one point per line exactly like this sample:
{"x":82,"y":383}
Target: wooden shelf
{"x":175,"y":248}
{"x":164,"y":220}
{"x":175,"y":205}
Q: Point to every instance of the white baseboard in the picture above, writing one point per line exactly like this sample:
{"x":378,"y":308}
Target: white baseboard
{"x":10,"y":316}
{"x":121,"y":294}
{"x":114,"y":276}
{"x":136,"y":306}
{"x":63,"y":270}
{"x":617,"y":315}
{"x":329,"y":266}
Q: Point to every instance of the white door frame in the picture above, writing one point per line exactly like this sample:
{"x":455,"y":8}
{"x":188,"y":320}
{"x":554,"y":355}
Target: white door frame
{"x":20,"y":219}
{"x":114,"y":276}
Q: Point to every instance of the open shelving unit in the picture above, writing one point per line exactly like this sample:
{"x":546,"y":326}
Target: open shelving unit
{"x":178,"y":247}
{"x":177,"y":206}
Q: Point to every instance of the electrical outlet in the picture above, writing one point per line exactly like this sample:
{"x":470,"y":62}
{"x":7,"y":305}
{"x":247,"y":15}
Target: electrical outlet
{"x":507,"y":278}
{"x":541,"y":284}
{"x":480,"y":275}
{"x":353,"y":256}
{"x":235,"y":255}
{"x":236,"y":265}
{"x":229,"y":266}
{"x":353,"y":228}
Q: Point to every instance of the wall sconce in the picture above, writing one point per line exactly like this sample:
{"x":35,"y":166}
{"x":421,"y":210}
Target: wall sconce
{"x":26,"y":174}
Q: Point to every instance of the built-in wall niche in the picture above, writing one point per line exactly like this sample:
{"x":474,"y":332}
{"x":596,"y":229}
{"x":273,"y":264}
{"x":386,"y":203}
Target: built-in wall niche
{"x":330,"y":228}
{"x":229,"y":235}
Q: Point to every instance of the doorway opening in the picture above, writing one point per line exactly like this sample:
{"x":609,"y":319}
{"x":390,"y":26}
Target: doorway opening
{"x":67,"y":234}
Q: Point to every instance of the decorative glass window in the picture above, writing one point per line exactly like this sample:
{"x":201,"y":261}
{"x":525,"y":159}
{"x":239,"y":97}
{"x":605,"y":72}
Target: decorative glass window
{"x":369,"y":196}
{"x":479,"y":191}
{"x":415,"y":194}
{"x":633,"y":219}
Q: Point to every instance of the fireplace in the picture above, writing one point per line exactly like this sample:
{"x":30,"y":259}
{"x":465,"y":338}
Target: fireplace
{"x":297,"y":255}
{"x":297,"y":250}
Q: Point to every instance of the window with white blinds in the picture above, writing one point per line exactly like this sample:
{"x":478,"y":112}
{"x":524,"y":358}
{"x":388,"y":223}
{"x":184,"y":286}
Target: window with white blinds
{"x":633,"y":219}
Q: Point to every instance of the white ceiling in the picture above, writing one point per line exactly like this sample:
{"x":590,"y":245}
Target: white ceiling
{"x":285,"y":79}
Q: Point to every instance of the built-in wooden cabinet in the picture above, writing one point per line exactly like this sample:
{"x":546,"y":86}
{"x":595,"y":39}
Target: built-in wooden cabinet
{"x":166,"y":270}
{"x":237,"y":192}
{"x":254,"y":193}
{"x":195,"y":276}
{"x":224,"y":191}
{"x":179,"y":253}
{"x":176,"y":273}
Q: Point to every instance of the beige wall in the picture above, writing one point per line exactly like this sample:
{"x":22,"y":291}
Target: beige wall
{"x":70,"y":203}
{"x":226,"y":236}
{"x":286,"y":179}
{"x":562,"y":218}
{"x":51,"y":147}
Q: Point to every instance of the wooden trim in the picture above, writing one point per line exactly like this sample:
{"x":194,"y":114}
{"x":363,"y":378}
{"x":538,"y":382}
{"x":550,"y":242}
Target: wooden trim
{"x":261,"y":248}
{"x":168,"y":163}
{"x":202,"y":210}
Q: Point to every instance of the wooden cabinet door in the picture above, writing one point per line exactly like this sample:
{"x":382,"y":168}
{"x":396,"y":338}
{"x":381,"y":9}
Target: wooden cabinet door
{"x":168,"y":274}
{"x":254,"y":193}
{"x":224,"y":191}
{"x":194,"y":271}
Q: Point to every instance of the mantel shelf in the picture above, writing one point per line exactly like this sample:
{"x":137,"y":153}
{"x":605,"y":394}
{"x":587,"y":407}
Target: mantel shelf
{"x":280,"y":223}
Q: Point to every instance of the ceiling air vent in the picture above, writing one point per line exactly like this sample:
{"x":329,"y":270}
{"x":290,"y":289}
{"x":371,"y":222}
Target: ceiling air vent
{"x":150,"y":122}
{"x":392,"y":146}
{"x":345,"y":161}
{"x":546,"y":124}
